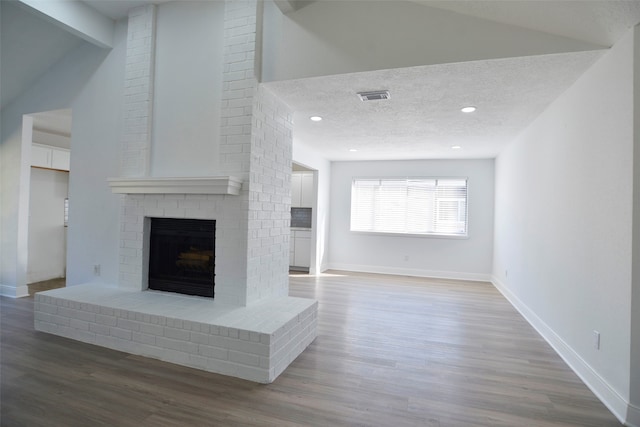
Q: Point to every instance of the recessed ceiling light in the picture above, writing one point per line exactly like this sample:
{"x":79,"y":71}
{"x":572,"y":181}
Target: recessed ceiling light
{"x":456,"y":147}
{"x":469,"y":109}
{"x":315,"y":118}
{"x":353,"y":150}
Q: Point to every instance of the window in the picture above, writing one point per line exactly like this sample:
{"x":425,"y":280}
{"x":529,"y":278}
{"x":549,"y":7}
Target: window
{"x":428,"y":206}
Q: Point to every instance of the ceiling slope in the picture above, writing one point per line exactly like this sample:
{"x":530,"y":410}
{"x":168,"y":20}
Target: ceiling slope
{"x":601,"y":22}
{"x":337,"y":37}
{"x":29,"y":46}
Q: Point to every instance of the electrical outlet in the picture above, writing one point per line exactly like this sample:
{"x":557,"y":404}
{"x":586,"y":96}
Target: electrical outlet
{"x":96,"y":270}
{"x":596,"y":340}
{"x":406,"y":257}
{"x":506,"y":273}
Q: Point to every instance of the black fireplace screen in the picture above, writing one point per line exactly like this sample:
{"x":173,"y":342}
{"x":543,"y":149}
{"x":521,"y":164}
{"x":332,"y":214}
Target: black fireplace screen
{"x":182,"y":256}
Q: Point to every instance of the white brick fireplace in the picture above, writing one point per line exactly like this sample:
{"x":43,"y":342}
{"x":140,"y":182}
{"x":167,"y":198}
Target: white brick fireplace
{"x":255,"y":341}
{"x":252,"y":329}
{"x":213,"y":198}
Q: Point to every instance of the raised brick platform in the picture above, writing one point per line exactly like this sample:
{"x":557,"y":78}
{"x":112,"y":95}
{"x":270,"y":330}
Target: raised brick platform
{"x":256,"y":343}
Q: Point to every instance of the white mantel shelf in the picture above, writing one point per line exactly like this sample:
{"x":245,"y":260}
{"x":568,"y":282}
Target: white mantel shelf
{"x":181,"y":185}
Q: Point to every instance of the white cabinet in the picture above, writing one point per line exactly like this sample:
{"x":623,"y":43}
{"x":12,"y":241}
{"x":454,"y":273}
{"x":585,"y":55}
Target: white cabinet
{"x":48,"y":157}
{"x":300,"y":248}
{"x":302,"y":189}
{"x":306,"y":193}
{"x":296,"y":189}
{"x":40,"y":156}
{"x":302,"y":196}
{"x":60,"y":159}
{"x":302,"y":251}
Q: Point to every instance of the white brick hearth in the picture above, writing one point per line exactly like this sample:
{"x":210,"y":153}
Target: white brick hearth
{"x":255,"y":343}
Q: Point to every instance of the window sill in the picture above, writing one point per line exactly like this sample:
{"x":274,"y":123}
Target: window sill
{"x":428,"y":236}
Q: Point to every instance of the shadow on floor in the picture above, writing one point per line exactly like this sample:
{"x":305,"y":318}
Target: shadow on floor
{"x":45,"y":285}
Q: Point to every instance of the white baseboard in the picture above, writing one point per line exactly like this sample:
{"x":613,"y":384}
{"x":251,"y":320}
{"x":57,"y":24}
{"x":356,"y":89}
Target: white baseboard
{"x":633,"y":416}
{"x":14,"y":292}
{"x":477,"y":277}
{"x":598,"y":385}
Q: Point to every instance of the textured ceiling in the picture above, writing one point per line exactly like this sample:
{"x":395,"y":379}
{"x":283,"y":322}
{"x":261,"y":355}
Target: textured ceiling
{"x":423,"y":119}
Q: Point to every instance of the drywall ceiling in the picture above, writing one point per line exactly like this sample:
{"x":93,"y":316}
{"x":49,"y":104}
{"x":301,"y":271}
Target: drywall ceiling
{"x":601,"y":22}
{"x":118,"y":9}
{"x":57,"y":122}
{"x":422,"y":120}
{"x":29,"y":46}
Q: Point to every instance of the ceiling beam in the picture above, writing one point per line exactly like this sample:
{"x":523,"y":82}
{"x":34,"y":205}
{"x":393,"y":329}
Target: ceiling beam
{"x":77,"y":18}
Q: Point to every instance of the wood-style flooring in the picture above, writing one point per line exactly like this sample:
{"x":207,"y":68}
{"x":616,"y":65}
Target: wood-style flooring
{"x":391,"y":351}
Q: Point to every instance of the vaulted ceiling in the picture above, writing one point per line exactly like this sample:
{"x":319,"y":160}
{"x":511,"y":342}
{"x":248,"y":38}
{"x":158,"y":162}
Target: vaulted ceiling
{"x":422,"y":119}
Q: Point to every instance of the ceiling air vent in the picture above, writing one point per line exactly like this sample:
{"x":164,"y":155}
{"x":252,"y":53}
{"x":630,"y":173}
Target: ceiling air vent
{"x":374,"y":95}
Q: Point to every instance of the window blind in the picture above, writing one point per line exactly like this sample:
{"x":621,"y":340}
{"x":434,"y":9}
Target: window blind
{"x":435,"y":206}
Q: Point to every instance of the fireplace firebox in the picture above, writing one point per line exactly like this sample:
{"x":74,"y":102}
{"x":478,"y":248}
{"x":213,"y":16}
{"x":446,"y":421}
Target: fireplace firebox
{"x":182,"y":256}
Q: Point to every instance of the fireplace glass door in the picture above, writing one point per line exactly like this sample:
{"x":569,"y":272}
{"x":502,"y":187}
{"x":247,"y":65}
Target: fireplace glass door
{"x":182,"y":256}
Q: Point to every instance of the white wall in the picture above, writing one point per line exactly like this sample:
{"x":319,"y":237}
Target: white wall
{"x":633,"y":415}
{"x":309,"y":158}
{"x":47,"y":233}
{"x":188,"y":87}
{"x":427,"y":256}
{"x":93,"y":232}
{"x":335,"y":37}
{"x":55,"y":90}
{"x":563,"y":223}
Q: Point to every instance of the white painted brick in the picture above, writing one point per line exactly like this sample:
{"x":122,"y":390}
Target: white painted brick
{"x":144,"y":338}
{"x":199,"y":338}
{"x":238,"y":22}
{"x":47,"y":327}
{"x":197,"y":361}
{"x":128,"y":324}
{"x":100,"y":329}
{"x":78,"y":324}
{"x":178,"y":334}
{"x":123,"y":334}
{"x":115,"y":343}
{"x":48,"y":308}
{"x":179,"y":345}
{"x":213,"y":352}
{"x":174,"y":323}
{"x":41,"y":316}
{"x":152,"y":329}
{"x":79,"y":335}
{"x":59,"y":320}
{"x":147,"y":350}
{"x":244,"y":358}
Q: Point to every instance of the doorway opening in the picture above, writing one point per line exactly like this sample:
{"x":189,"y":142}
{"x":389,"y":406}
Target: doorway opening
{"x":49,"y":161}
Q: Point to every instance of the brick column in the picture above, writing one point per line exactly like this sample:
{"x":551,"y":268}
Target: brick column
{"x":138,"y":92}
{"x":238,"y":93}
{"x":239,"y":86}
{"x":255,"y":144}
{"x":269,"y":198}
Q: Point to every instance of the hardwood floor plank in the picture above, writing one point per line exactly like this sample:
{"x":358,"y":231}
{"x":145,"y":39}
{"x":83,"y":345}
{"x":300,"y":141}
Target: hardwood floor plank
{"x":391,"y":351}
